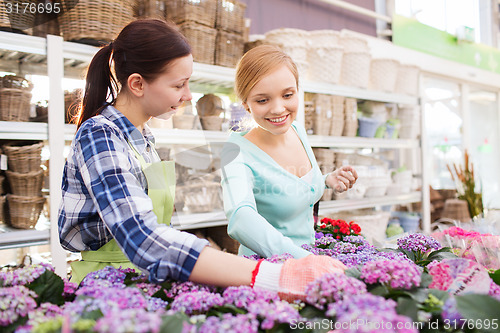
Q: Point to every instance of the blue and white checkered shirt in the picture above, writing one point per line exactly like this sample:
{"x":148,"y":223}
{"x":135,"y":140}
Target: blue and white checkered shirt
{"x":104,"y":196}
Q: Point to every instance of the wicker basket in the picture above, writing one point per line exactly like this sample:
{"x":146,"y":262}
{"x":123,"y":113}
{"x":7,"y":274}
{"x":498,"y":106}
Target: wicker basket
{"x":228,"y":48}
{"x":373,"y":224}
{"x":287,"y":37}
{"x":150,"y":8}
{"x":46,"y":24}
{"x":23,"y":212}
{"x":324,"y":155}
{"x":14,"y":104}
{"x":15,"y":82}
{"x":456,"y":209}
{"x":211,"y":123}
{"x":16,"y":21}
{"x":94,"y":21}
{"x":325,"y":63}
{"x":202,"y":40}
{"x":24,"y":159}
{"x":200,"y":11}
{"x":26,"y":184}
{"x":355,"y":69}
{"x":183,"y":121}
{"x":383,"y":74}
{"x":3,"y":200}
{"x":2,"y":181}
{"x":324,"y":37}
{"x":202,"y":197}
{"x":353,"y":43}
{"x":407,"y":81}
{"x":230,"y":16}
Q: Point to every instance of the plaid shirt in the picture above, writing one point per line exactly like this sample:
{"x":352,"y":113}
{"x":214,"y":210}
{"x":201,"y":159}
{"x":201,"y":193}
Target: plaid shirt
{"x":104,"y":196}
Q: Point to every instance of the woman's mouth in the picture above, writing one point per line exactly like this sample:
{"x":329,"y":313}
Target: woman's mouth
{"x":278,"y":121}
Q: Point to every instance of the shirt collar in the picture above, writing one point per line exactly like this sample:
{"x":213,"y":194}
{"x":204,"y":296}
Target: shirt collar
{"x":133,"y":135}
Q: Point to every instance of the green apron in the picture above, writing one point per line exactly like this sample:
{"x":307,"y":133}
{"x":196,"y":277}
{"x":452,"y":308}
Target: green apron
{"x":160,"y":177}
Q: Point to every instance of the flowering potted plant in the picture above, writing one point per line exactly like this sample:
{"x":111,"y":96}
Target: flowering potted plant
{"x":338,"y":229}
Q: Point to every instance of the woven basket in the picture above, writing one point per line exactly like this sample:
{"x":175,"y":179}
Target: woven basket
{"x":337,"y":125}
{"x":287,"y":37}
{"x":325,"y":64}
{"x":353,"y":43}
{"x":407,"y":80}
{"x":200,"y":11}
{"x":183,"y":121}
{"x":2,"y":181}
{"x":456,"y":209}
{"x":14,"y":104}
{"x":16,"y":21}
{"x":46,"y":24}
{"x":373,"y":224}
{"x":202,"y":197}
{"x":228,"y":48}
{"x":95,"y":21}
{"x":23,"y":212}
{"x":15,"y":82}
{"x":150,"y":8}
{"x":324,"y":38}
{"x":211,"y":123}
{"x":26,"y":184}
{"x":3,"y":200}
{"x":202,"y":40}
{"x":324,"y":155}
{"x":383,"y":74}
{"x":298,"y":53}
{"x":24,"y":159}
{"x":230,"y":16}
{"x":355,"y":69}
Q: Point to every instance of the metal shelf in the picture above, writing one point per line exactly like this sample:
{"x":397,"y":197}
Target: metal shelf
{"x":359,"y":142}
{"x":22,"y":238}
{"x":184,"y":221}
{"x":327,"y":207}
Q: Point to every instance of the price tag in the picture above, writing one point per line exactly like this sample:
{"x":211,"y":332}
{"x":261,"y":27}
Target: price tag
{"x":3,"y":162}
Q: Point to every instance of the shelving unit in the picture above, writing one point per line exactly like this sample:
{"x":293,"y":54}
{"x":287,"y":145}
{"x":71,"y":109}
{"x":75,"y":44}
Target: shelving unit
{"x":53,"y":57}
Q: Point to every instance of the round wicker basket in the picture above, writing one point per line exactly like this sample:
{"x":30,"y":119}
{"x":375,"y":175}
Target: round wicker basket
{"x":24,"y":159}
{"x":23,"y":212}
{"x":211,"y":123}
{"x":26,"y":184}
{"x":383,"y":74}
{"x":355,"y":69}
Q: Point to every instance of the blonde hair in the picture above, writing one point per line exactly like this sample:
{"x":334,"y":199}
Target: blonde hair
{"x":257,"y":63}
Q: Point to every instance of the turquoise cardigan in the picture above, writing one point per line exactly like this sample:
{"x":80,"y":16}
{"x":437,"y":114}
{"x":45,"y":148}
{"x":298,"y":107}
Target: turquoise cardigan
{"x":270,"y":210}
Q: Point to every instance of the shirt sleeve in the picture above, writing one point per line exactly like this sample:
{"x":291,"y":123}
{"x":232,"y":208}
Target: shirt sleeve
{"x":126,"y":209}
{"x":246,"y":225}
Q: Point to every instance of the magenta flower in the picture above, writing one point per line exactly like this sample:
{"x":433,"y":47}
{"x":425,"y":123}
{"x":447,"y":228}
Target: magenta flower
{"x":15,"y":302}
{"x":240,"y":323}
{"x":274,"y":313}
{"x":393,"y":273}
{"x":179,"y":288}
{"x":494,"y":290}
{"x":364,"y":301}
{"x":129,"y":320}
{"x":418,"y":243}
{"x":332,"y":287}
{"x":124,"y":297}
{"x":242,"y":296}
{"x":23,"y":276}
{"x":108,"y":273}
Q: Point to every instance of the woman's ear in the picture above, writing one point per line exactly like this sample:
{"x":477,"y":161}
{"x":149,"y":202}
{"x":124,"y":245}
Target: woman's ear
{"x":135,"y":84}
{"x":247,"y":108}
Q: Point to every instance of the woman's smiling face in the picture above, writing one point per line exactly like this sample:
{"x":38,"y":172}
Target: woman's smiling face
{"x":274,"y":101}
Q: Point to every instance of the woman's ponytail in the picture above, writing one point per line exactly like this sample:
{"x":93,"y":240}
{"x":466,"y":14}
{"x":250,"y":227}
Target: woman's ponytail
{"x":100,"y":84}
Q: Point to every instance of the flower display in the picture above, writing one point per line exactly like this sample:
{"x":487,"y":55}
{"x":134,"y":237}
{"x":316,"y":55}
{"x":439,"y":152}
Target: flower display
{"x":396,"y":274}
{"x":378,"y":292}
{"x":338,"y":228}
{"x":331,"y":288}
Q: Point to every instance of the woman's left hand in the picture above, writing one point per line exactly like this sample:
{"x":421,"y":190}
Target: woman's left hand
{"x":342,"y":179}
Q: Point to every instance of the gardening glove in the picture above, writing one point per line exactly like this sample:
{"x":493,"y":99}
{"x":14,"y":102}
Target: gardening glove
{"x":291,"y":278}
{"x":342,"y":179}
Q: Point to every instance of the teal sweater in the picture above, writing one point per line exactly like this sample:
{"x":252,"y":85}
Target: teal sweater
{"x":270,"y":210}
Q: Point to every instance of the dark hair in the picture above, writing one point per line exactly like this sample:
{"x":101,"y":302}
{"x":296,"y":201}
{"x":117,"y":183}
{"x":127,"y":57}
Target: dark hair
{"x":144,"y":46}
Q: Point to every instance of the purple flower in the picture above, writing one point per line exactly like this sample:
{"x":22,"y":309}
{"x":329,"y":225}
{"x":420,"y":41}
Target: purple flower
{"x":129,"y":320}
{"x":156,"y":304}
{"x":494,"y":290}
{"x":324,"y":241}
{"x":275,"y":312}
{"x":179,"y":288}
{"x":148,"y":288}
{"x":15,"y":302}
{"x":196,"y":302}
{"x":450,"y":311}
{"x":23,"y":276}
{"x":88,"y":304}
{"x":279,"y":258}
{"x":125,"y":298}
{"x":332,"y":287}
{"x":242,"y":296}
{"x":69,"y":288}
{"x":374,"y":321}
{"x":240,"y":323}
{"x":393,"y":273}
{"x":45,"y":312}
{"x":318,"y":235}
{"x":418,"y":243}
{"x":108,"y":273}
{"x":364,"y":301}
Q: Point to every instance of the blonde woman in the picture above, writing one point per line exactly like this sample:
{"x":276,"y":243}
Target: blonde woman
{"x":271,"y":179}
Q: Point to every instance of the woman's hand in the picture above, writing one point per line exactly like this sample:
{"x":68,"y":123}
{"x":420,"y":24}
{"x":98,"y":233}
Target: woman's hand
{"x":342,"y":179}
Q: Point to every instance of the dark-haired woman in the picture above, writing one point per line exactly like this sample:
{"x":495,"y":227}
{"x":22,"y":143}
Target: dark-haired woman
{"x":117,"y":196}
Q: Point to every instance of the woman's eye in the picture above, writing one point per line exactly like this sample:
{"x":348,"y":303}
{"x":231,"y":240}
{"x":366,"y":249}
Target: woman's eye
{"x":180,"y":87}
{"x":260,"y":101}
{"x":289,"y":95}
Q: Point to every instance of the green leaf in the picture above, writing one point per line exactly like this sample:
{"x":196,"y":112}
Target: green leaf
{"x":379,"y":290}
{"x":49,"y":287}
{"x":409,"y":254}
{"x":479,"y":308}
{"x":419,"y":294}
{"x":407,"y":307}
{"x":495,"y":276}
{"x":228,"y":308}
{"x":311,"y":312}
{"x":425,"y":280}
{"x":354,"y":272}
{"x":161,"y":294}
{"x":173,"y":323}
